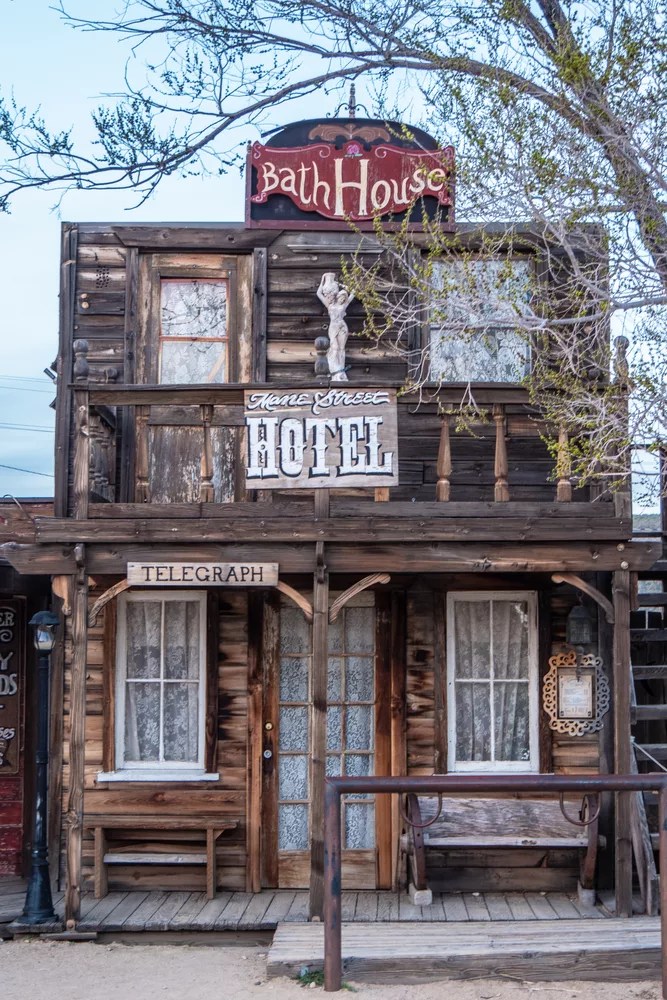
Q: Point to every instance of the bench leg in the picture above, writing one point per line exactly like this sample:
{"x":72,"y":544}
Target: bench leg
{"x":211,"y":866}
{"x":101,"y":882}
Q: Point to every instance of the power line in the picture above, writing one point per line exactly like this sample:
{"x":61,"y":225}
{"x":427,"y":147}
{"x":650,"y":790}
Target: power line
{"x":27,"y":427}
{"x":24,"y":388}
{"x":15,"y":468}
{"x":22,"y":378}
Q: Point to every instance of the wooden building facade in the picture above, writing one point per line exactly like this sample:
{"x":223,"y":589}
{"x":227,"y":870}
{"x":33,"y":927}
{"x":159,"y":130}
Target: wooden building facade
{"x":225,"y":646}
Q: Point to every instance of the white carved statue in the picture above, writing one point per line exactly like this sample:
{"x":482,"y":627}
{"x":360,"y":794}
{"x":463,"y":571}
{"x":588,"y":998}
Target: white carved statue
{"x":336,"y":299}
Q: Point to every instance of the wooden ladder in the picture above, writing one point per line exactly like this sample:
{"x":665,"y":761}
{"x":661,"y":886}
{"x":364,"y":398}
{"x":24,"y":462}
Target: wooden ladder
{"x":649,"y":721}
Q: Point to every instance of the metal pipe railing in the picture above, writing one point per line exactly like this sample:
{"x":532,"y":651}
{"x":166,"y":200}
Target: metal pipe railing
{"x":448,"y":784}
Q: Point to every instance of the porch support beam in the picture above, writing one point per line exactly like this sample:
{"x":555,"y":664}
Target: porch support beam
{"x":319,"y":716}
{"x":73,"y":819}
{"x":622,"y":741}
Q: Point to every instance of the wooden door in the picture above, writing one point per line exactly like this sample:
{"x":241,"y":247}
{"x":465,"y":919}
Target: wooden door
{"x":357,"y":726}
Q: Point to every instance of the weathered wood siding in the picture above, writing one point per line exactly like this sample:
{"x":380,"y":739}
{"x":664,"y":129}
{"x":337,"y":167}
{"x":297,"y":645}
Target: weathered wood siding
{"x":226,"y":797}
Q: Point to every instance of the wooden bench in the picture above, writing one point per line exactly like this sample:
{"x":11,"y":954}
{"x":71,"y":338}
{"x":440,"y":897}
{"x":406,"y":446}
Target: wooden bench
{"x":498,"y":824}
{"x":211,"y":826}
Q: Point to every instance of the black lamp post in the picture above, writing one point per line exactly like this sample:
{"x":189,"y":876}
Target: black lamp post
{"x":38,"y":907}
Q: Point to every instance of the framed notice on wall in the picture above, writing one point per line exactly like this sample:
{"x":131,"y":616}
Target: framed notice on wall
{"x":321,"y":438}
{"x":11,"y":684}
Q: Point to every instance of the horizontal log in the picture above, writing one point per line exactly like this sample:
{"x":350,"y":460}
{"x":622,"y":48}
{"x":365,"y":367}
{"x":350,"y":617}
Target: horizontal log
{"x":650,"y":673}
{"x":269,"y":528}
{"x":29,"y":559}
{"x":649,"y":713}
{"x":654,"y":600}
{"x":648,"y":634}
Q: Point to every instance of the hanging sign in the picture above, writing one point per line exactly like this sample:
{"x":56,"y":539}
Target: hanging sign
{"x":321,"y":438}
{"x":354,"y":182}
{"x":11,"y":680}
{"x":193,"y":574}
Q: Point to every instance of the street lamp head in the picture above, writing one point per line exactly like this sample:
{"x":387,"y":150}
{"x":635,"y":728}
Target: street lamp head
{"x":44,"y":624}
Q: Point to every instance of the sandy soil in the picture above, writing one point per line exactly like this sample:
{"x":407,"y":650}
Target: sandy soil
{"x":46,"y":970}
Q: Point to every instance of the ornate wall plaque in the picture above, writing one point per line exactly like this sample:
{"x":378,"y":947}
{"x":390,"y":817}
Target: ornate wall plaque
{"x":575,"y":694}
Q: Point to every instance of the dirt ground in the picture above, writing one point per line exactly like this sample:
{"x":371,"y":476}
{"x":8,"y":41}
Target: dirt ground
{"x":45,"y":970}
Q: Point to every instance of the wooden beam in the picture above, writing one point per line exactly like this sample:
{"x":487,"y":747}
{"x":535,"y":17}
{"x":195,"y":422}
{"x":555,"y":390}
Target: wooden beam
{"x":318,"y":730}
{"x":104,"y":599}
{"x":69,"y":243}
{"x":575,"y":581}
{"x":298,"y":599}
{"x":255,"y":744}
{"x":356,"y":588}
{"x":48,"y":560}
{"x":73,"y":819}
{"x":622,"y":740}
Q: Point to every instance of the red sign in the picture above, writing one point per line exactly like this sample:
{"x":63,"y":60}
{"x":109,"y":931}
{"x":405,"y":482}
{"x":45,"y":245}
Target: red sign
{"x":352,"y":182}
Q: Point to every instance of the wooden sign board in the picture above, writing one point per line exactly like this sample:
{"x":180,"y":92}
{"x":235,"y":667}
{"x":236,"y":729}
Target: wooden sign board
{"x":321,"y":438}
{"x":11,"y":680}
{"x":192,"y":574}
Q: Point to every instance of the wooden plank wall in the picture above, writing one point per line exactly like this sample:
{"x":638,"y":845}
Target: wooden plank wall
{"x":226,"y":797}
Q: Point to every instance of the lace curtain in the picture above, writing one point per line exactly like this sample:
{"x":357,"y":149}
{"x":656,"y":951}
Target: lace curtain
{"x":162,"y":681}
{"x":491,"y":680}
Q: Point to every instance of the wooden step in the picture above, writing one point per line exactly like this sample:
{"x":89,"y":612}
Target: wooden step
{"x":555,"y":950}
{"x":648,"y":635}
{"x":652,"y":600}
{"x":655,"y":671}
{"x":657,"y":750}
{"x":656,"y":571}
{"x":649,"y":713}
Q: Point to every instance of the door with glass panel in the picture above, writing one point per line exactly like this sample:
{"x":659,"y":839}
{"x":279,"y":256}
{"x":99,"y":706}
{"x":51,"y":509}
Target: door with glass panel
{"x":352,"y":717}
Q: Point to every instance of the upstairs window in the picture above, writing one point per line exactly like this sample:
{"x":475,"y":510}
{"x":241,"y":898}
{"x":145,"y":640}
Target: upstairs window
{"x":476,"y":311}
{"x":194,"y":341}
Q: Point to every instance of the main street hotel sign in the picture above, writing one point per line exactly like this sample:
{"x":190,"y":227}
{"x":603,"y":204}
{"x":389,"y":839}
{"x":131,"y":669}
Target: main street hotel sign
{"x":349,"y":171}
{"x":321,"y":438}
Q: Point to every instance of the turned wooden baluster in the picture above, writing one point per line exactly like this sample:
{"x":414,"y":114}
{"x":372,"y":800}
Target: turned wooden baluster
{"x":501,"y":491}
{"x":206,"y":491}
{"x":563,"y":467}
{"x":444,"y":464}
{"x":142,"y":415}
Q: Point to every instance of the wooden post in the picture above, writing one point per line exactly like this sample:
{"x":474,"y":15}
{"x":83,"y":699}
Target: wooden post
{"x":81,"y":465}
{"x":73,"y":819}
{"x":623,"y":496}
{"x":563,"y":468}
{"x":443,"y":466}
{"x":206,"y":493}
{"x":319,"y":715}
{"x":501,"y":492}
{"x":622,"y":740}
{"x":142,"y":414}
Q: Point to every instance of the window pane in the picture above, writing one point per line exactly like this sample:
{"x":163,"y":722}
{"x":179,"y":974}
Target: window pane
{"x":473,"y":646}
{"x":143,"y":638}
{"x":336,"y":635}
{"x":334,"y":679}
{"x":193,"y":308}
{"x":181,"y":722}
{"x":359,"y":678}
{"x":293,"y":828}
{"x":510,"y":639}
{"x":359,"y":630}
{"x":142,"y":721}
{"x":475,"y":314}
{"x":358,"y":728}
{"x":334,"y":729}
{"x":184,"y":362}
{"x":294,"y":632}
{"x":293,"y":779}
{"x":512,"y":715}
{"x":293,"y":729}
{"x":473,"y":722}
{"x":360,"y":825}
{"x":294,"y":678}
{"x":181,"y":653}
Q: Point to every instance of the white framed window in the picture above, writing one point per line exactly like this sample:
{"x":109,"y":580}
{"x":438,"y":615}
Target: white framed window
{"x":492,"y":681}
{"x":160,"y":687}
{"x":476,"y":313}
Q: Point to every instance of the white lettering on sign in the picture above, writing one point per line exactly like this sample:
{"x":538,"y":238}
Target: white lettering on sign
{"x":176,"y":574}
{"x":321,"y":438}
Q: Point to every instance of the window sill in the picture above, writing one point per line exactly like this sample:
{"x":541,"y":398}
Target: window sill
{"x":152,"y":776}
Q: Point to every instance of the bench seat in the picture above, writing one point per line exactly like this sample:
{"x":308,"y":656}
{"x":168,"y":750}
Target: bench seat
{"x":211,"y":827}
{"x":498,"y":824}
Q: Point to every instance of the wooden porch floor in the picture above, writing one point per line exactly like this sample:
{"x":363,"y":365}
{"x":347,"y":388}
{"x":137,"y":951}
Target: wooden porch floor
{"x":121,"y":912}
